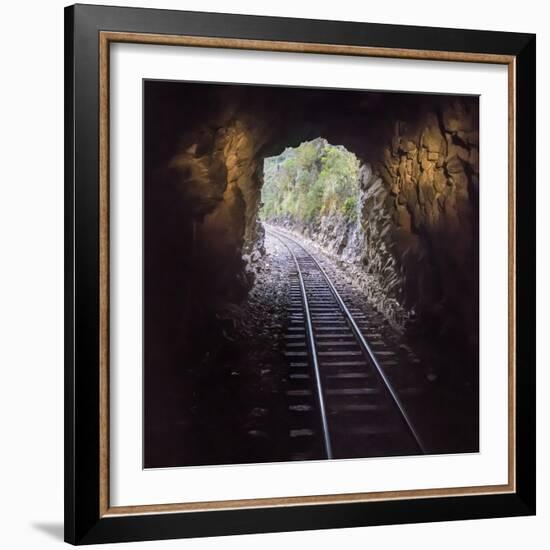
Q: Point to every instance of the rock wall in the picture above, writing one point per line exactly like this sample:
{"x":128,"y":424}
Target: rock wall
{"x":431,"y":170}
{"x":218,"y":172}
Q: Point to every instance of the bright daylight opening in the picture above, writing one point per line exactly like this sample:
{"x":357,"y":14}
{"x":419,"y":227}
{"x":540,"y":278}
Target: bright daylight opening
{"x":308,"y":184}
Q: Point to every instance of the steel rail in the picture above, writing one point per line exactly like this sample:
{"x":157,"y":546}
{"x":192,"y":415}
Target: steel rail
{"x":364,"y":344}
{"x":313,"y":352}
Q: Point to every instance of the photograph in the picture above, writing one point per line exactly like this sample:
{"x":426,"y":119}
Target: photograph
{"x":310,"y":273}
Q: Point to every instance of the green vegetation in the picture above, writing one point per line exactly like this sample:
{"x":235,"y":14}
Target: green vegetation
{"x":311,"y":181}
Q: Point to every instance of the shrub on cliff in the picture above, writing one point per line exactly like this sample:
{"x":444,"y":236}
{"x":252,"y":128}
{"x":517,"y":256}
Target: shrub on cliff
{"x":309,"y":182}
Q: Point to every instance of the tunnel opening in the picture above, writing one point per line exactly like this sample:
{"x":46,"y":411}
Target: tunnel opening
{"x":387,"y":198}
{"x":326,"y":194}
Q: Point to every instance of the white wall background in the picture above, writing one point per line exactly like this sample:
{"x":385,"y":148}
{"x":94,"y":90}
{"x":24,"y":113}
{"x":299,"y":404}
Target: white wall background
{"x":31,"y":274}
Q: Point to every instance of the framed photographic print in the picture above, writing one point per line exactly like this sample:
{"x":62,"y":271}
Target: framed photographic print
{"x":299,"y":274}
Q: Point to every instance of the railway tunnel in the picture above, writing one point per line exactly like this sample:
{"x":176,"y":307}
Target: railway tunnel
{"x":205,"y":243}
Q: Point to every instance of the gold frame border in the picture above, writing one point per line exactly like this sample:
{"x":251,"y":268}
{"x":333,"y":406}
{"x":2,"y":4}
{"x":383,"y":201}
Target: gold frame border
{"x":105,"y":39}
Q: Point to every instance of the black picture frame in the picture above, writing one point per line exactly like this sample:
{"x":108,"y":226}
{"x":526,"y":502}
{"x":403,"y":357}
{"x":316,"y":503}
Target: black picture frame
{"x":84,"y":524}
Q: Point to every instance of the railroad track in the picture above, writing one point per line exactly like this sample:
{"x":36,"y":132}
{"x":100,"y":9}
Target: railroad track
{"x":340,"y":401}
